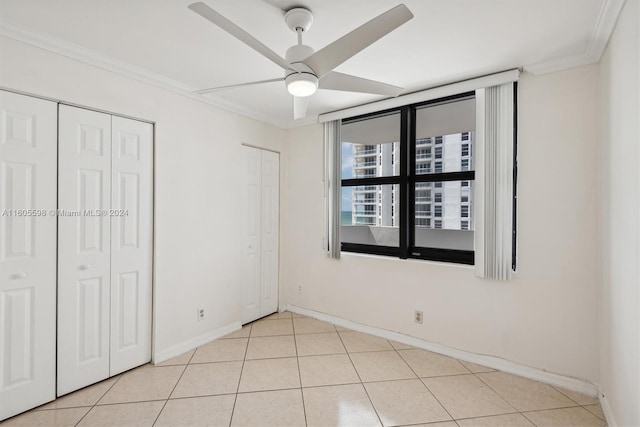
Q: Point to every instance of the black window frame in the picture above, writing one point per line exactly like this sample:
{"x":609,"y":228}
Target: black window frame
{"x":407,"y":180}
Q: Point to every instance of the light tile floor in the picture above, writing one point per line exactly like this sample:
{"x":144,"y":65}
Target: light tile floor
{"x":290,"y":370}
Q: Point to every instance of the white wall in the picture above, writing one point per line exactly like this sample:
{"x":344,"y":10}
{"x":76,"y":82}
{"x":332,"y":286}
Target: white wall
{"x":547,"y":316}
{"x":198,"y":160}
{"x":620,"y":299}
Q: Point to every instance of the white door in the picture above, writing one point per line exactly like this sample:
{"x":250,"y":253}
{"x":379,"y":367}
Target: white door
{"x":251,"y":209}
{"x":84,"y":180}
{"x":261,"y":242}
{"x":27,"y":252}
{"x":269,"y":237}
{"x":131,"y":243}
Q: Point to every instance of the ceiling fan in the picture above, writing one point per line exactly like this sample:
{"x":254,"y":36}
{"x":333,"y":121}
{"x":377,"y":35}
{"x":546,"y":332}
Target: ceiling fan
{"x":305,"y":70}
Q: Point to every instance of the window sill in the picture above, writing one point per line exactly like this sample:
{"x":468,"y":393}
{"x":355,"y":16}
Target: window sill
{"x":413,"y":260}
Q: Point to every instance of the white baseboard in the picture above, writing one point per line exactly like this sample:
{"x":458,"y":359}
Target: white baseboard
{"x":606,"y":409}
{"x":570,"y":383}
{"x":160,"y":356}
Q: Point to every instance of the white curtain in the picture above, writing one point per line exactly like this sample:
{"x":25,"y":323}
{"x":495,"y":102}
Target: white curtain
{"x":333,"y":177}
{"x":494,"y":182}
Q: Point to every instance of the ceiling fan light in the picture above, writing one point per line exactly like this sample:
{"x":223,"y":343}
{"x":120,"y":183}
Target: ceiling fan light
{"x":302,"y":84}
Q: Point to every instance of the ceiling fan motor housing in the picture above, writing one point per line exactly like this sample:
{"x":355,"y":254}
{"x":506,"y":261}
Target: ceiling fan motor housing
{"x":298,"y":53}
{"x":303,"y":81}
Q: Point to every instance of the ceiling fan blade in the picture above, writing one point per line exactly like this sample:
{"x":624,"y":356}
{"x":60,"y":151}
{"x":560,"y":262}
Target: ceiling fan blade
{"x":330,"y":56}
{"x":300,"y":104}
{"x":349,"y":83}
{"x":231,"y":28}
{"x":215,"y":89}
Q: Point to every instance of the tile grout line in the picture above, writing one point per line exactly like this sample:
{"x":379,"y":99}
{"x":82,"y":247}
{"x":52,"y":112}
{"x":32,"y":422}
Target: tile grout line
{"x":565,"y":395}
{"x":360,"y":378}
{"x":295,"y":345}
{"x":172,"y":390}
{"x":99,"y":399}
{"x":528,"y":419}
{"x":559,"y":409}
{"x":176,"y":385}
{"x":495,"y":391}
{"x":508,"y":403}
{"x":422,"y":382}
{"x":523,"y":413}
{"x":235,"y":398}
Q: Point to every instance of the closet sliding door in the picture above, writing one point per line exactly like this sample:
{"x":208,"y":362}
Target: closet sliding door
{"x":27,"y":252}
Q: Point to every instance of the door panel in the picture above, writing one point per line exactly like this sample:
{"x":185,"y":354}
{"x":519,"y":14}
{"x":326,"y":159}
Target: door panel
{"x":27,"y":252}
{"x":84,"y":174}
{"x":269,"y":232}
{"x":90,"y":335}
{"x":131,"y":243}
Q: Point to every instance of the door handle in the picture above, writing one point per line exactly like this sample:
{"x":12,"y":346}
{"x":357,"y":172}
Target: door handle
{"x":84,"y":267}
{"x":18,"y":276}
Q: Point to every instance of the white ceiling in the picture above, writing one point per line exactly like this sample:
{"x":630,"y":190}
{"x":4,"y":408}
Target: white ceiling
{"x":448,"y":40}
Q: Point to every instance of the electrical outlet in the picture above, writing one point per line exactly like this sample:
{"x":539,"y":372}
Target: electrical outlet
{"x":299,"y":288}
{"x":417,"y":316}
{"x":200,"y":314}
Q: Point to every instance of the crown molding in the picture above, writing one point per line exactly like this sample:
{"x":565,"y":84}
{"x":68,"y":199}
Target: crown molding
{"x":88,"y":56}
{"x":600,"y":36}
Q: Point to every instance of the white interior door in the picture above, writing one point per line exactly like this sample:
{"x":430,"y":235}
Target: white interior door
{"x":261,"y":241}
{"x":269,"y":236}
{"x":27,"y":252}
{"x":84,"y":176}
{"x":131,"y":243}
{"x":251,"y":209}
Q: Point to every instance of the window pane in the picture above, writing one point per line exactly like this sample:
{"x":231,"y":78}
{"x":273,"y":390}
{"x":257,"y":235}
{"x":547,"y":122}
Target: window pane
{"x":370,"y":216}
{"x":371,"y":148}
{"x":445,"y":137}
{"x":444,"y":215}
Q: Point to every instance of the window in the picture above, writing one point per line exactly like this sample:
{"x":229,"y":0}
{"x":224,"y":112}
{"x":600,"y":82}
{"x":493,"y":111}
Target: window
{"x":404,"y":220}
{"x":423,"y":222}
{"x":465,"y":150}
{"x":423,"y":168}
{"x":423,"y":210}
